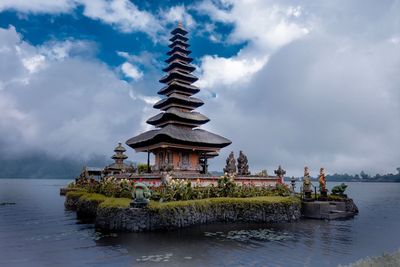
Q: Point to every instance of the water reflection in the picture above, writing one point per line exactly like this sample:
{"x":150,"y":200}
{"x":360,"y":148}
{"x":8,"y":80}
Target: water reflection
{"x":239,"y":242}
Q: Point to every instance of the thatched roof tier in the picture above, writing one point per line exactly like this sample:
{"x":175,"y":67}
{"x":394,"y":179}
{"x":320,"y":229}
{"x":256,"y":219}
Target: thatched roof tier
{"x":179,"y":56}
{"x":176,"y":116}
{"x":178,"y":76}
{"x":176,"y":64}
{"x":178,"y":43}
{"x":179,"y":49}
{"x":119,"y":148}
{"x":173,"y":134}
{"x":178,"y":87}
{"x":119,"y":156}
{"x":179,"y":30}
{"x":179,"y":37}
{"x":180,"y":101}
{"x":178,"y":123}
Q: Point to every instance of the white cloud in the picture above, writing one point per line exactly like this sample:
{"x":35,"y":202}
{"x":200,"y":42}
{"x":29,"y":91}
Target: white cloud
{"x":227,"y":71}
{"x":131,"y":71}
{"x":319,"y":105}
{"x":123,"y":14}
{"x":60,"y":50}
{"x":177,"y":14}
{"x":395,"y":40}
{"x":264,"y":26}
{"x":268,"y":25}
{"x":34,"y":63}
{"x":75,"y":106}
{"x":38,"y":6}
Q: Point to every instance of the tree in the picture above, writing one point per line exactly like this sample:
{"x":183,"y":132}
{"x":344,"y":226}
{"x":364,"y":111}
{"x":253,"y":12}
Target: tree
{"x":364,"y":175}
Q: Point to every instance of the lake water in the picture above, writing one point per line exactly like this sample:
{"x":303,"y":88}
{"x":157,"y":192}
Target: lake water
{"x":37,"y":231}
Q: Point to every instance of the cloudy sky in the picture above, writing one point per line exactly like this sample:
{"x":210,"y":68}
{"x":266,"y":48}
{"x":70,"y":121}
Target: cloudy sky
{"x":294,"y":83}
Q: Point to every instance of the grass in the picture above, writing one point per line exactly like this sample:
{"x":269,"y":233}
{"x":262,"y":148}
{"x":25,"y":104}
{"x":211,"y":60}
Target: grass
{"x":93,"y":197}
{"x":203,"y":203}
{"x":112,"y":202}
{"x":77,"y":193}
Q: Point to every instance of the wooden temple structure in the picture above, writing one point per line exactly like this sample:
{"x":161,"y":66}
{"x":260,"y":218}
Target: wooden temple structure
{"x":177,"y":142}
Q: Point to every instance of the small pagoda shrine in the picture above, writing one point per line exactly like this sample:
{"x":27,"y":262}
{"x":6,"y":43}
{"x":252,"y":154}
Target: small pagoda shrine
{"x":118,"y":166}
{"x":177,"y":141}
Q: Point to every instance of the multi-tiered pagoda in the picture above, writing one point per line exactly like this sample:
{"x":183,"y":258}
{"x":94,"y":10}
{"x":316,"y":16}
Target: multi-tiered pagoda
{"x":177,"y":142}
{"x":118,"y":166}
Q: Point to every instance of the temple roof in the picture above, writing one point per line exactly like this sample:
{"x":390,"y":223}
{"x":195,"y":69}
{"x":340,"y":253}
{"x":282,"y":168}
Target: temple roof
{"x":119,"y":148}
{"x":119,"y":156}
{"x":179,"y":56}
{"x":183,"y":88}
{"x":116,"y":166}
{"x":178,"y":75}
{"x":178,"y":42}
{"x":180,"y":135}
{"x":178,"y":119}
{"x":193,"y":118}
{"x":179,"y":49}
{"x":178,"y":100}
{"x":179,"y":65}
{"x":179,"y":37}
{"x":179,"y":30}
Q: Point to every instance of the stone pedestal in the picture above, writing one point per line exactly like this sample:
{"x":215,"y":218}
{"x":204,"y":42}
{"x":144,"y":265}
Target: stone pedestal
{"x":324,"y":195}
{"x":307,"y":195}
{"x":328,"y":210}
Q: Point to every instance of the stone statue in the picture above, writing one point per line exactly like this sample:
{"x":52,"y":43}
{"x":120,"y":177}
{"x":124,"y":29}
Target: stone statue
{"x":307,"y":183}
{"x":242,"y":164}
{"x":293,"y":184}
{"x":141,"y":196}
{"x":280,"y":173}
{"x":339,"y":189}
{"x":322,"y":185}
{"x":230,"y":167}
{"x":322,"y":180}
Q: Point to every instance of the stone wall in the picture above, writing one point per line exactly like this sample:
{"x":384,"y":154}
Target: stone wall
{"x":329,"y":210}
{"x":133,"y":220}
{"x":172,"y":217}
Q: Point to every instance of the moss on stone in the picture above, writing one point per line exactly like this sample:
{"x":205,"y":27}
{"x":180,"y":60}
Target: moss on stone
{"x":237,"y":202}
{"x":76,"y":193}
{"x":112,"y":202}
{"x":93,"y":197}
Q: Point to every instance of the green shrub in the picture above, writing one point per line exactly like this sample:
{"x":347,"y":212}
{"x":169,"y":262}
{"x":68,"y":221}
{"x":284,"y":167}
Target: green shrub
{"x":142,"y":168}
{"x":180,"y":189}
{"x":239,"y":202}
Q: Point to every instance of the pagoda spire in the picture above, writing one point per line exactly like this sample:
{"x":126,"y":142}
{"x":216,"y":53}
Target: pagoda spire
{"x":177,"y":141}
{"x":179,"y":103}
{"x":119,"y":155}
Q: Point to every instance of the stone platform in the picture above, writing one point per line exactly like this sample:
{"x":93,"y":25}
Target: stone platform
{"x":329,"y":210}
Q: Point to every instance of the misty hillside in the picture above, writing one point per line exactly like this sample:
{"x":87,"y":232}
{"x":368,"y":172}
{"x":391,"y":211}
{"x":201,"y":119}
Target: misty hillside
{"x":43,"y":166}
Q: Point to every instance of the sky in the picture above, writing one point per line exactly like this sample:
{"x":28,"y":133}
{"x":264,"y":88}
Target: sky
{"x":291,"y":83}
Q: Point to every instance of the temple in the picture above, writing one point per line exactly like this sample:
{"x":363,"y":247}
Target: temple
{"x":177,"y":142}
{"x":118,"y":166}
